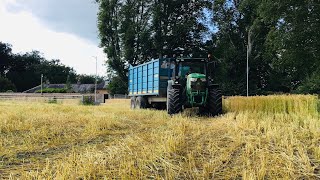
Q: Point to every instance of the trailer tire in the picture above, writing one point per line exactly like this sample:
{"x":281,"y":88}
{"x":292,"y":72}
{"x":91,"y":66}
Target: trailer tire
{"x":214,"y":105}
{"x":141,"y":103}
{"x":132,"y":102}
{"x":174,"y":105}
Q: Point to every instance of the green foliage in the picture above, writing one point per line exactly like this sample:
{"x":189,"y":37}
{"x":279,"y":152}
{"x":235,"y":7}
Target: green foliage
{"x":117,"y":86}
{"x":283,"y":52}
{"x":5,"y":57}
{"x":53,"y":90}
{"x":6,"y":85}
{"x":24,"y":70}
{"x":281,"y":38}
{"x":89,"y":79}
{"x":52,"y":101}
{"x":311,"y":85}
{"x":88,"y":100}
{"x":132,"y":31}
{"x":291,"y":42}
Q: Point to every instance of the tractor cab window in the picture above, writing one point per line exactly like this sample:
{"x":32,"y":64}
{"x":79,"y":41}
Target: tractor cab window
{"x":186,"y":68}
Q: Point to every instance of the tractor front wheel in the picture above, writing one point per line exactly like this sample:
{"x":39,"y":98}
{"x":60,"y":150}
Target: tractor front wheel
{"x":214,"y":104}
{"x":174,"y":105}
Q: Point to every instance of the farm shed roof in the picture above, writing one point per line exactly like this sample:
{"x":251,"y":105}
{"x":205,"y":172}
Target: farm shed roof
{"x":78,"y":88}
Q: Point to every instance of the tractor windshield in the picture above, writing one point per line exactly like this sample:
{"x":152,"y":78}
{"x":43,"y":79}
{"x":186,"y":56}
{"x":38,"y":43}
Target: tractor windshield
{"x":186,"y":68}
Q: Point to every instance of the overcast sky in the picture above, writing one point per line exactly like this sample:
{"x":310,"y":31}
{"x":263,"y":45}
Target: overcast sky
{"x":60,"y":29}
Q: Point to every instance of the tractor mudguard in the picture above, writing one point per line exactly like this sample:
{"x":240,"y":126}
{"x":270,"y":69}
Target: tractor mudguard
{"x":172,"y":85}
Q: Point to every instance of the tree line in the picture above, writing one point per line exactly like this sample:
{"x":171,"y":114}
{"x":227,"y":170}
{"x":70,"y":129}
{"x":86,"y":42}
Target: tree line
{"x":22,"y":71}
{"x":280,"y":38}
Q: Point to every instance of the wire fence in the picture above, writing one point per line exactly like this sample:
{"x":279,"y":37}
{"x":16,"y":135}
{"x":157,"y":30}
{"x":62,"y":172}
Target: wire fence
{"x":119,"y":96}
{"x":50,"y":97}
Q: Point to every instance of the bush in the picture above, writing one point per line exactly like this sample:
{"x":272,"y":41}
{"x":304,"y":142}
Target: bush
{"x":88,"y":100}
{"x":53,"y":90}
{"x":6,"y":85}
{"x":52,"y":101}
{"x":311,"y":85}
{"x":117,"y":86}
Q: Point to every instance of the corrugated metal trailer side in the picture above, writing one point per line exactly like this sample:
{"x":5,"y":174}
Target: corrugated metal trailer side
{"x":149,"y":79}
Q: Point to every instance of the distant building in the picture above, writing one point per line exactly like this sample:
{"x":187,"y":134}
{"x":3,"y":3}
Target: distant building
{"x":76,"y":88}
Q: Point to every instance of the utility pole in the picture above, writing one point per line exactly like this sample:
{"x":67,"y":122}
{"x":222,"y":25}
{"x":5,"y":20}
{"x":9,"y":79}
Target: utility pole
{"x":41,"y":84}
{"x":249,"y":46}
{"x":247,"y":70}
{"x":95,"y":85}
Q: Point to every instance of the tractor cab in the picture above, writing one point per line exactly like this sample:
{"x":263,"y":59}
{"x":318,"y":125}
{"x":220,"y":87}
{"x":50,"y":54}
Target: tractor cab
{"x":181,"y":68}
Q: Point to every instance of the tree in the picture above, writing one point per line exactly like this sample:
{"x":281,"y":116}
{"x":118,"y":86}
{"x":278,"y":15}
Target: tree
{"x":292,"y":41}
{"x":279,"y":36}
{"x":240,"y":30}
{"x":26,"y":69}
{"x":131,"y":31}
{"x":6,"y":85}
{"x":311,"y":85}
{"x":117,"y":86}
{"x":5,"y":58}
{"x":88,"y":79}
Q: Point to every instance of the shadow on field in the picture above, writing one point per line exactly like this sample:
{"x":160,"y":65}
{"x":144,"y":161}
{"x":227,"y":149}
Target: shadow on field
{"x":194,"y":112}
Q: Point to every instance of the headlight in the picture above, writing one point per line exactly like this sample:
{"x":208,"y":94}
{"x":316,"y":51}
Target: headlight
{"x":193,"y":79}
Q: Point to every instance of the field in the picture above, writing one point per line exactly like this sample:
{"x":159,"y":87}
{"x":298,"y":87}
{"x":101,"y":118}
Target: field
{"x":257,"y":138}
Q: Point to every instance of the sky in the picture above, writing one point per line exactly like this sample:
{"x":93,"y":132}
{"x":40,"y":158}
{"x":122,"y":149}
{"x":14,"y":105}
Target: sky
{"x":59,"y":29}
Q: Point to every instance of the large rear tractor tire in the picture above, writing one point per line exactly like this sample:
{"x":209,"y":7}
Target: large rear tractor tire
{"x":174,"y":105}
{"x":214,"y":105}
{"x":141,"y":103}
{"x":203,"y":111}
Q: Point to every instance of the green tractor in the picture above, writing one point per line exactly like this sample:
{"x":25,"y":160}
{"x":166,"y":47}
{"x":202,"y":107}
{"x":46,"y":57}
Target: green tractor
{"x":191,"y":86}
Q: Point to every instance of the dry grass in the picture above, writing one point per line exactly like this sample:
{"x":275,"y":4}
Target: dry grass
{"x":299,"y":104}
{"x":69,"y":141}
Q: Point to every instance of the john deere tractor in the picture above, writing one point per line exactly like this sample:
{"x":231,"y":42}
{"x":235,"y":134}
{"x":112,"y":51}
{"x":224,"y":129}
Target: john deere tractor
{"x":191,"y":86}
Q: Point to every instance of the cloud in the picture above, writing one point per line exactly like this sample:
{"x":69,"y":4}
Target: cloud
{"x":26,"y":33}
{"x":77,"y":17}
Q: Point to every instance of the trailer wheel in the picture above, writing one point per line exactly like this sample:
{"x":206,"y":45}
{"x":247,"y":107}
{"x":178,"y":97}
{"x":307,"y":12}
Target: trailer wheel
{"x":174,"y":105}
{"x":132,"y":102}
{"x":214,"y":105}
{"x":141,"y":103}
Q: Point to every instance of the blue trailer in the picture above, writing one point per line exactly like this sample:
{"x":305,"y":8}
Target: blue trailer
{"x":174,"y":84}
{"x":148,"y":83}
